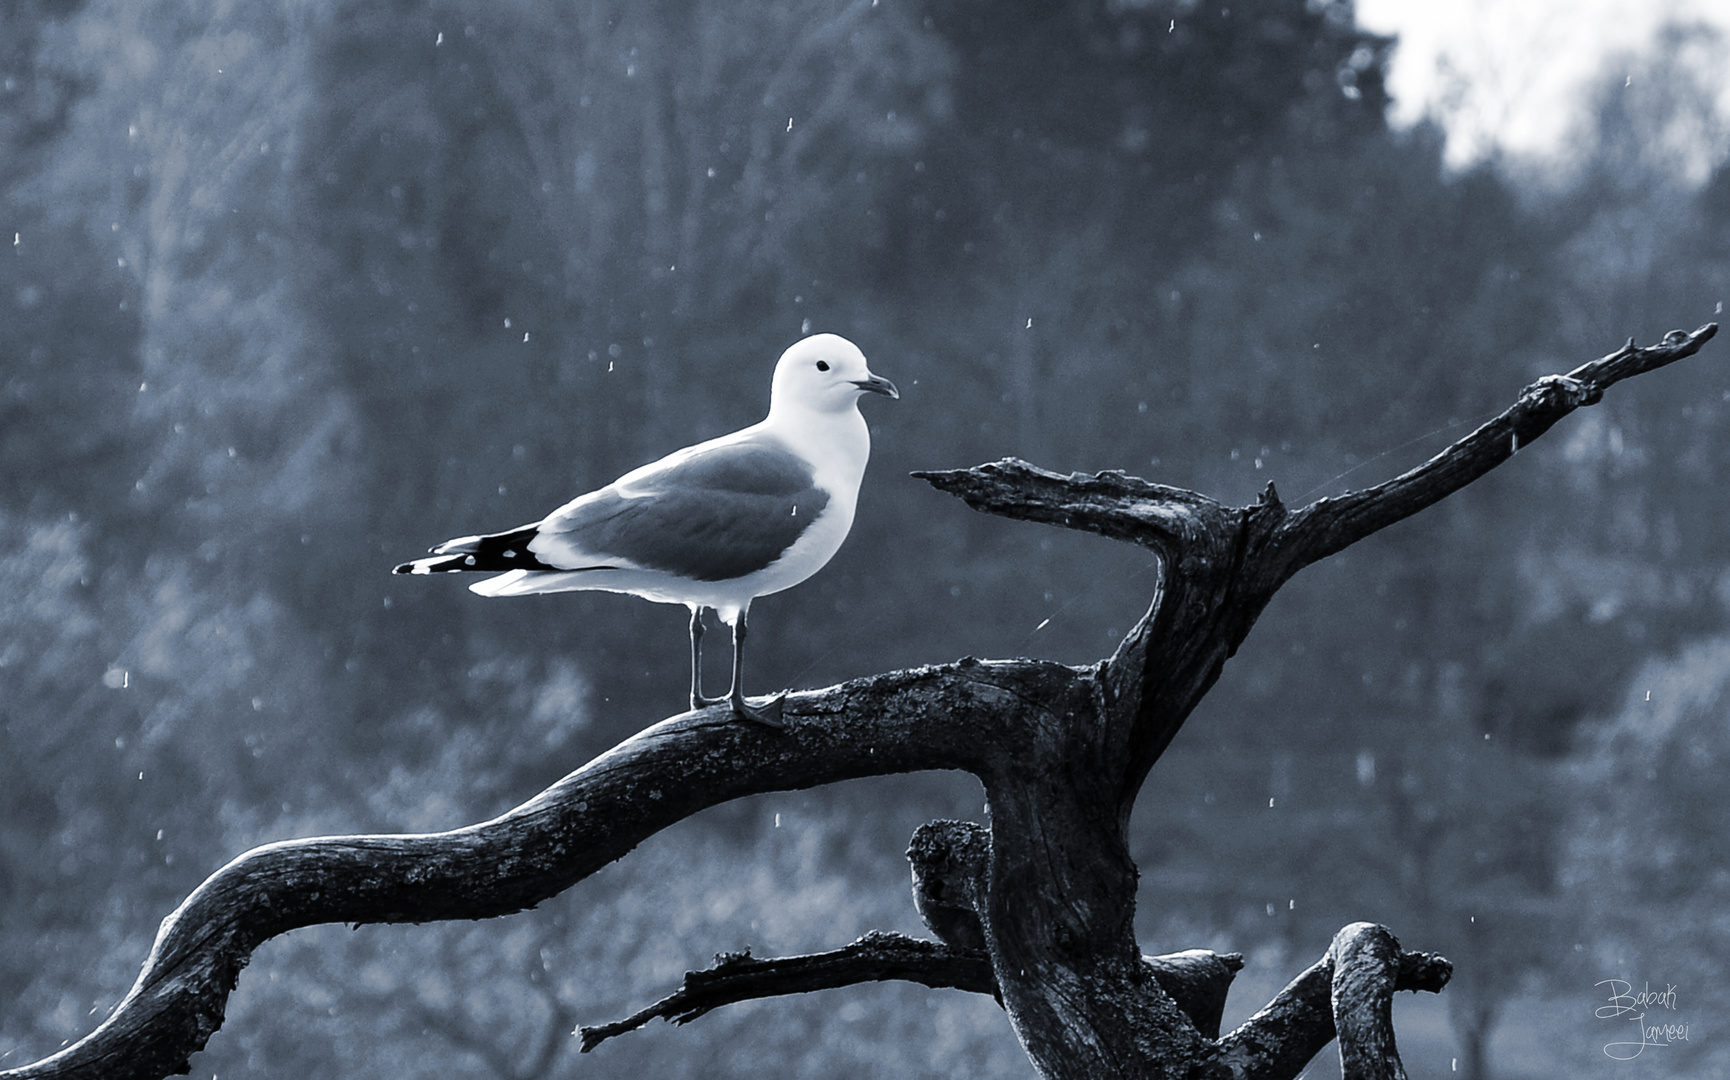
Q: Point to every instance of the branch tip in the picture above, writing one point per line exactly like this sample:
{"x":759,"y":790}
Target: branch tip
{"x":877,"y":956}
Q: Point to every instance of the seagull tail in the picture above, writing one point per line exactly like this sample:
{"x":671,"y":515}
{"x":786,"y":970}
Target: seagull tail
{"x":486,"y":554}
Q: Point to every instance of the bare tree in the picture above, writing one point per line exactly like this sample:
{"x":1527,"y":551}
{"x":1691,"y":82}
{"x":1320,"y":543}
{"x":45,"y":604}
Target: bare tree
{"x":1035,"y":908}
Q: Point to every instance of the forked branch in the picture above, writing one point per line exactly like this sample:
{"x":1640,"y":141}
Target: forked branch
{"x":1221,"y":565}
{"x":1062,"y":753}
{"x":1348,"y":994}
{"x":1196,"y":979}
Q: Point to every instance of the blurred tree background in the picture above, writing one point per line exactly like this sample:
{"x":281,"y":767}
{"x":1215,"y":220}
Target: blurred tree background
{"x":297,"y":289}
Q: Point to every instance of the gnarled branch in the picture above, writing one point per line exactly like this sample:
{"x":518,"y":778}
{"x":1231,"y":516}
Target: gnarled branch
{"x":940,"y":717}
{"x":1331,"y":525}
{"x":1220,"y":565}
{"x":740,"y":977}
{"x":950,"y":862}
{"x":1062,"y":753}
{"x":1354,"y":979}
{"x":1196,"y":979}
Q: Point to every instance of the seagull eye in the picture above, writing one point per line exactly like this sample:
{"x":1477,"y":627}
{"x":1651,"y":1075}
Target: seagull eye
{"x":822,"y":365}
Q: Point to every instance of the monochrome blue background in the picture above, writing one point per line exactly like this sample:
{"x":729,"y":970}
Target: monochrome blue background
{"x":295,"y":290}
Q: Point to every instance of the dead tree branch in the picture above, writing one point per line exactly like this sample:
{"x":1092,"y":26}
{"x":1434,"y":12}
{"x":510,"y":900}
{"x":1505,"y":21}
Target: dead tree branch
{"x":1049,"y":891}
{"x":1196,"y":979}
{"x":741,"y":977}
{"x":1300,"y":1021}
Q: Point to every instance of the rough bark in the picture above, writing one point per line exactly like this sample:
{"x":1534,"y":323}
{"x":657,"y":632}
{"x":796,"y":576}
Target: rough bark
{"x":950,"y":867}
{"x":949,"y":861}
{"x":1197,"y":979}
{"x":1062,"y":753}
{"x":742,"y":977}
{"x":1363,"y":967}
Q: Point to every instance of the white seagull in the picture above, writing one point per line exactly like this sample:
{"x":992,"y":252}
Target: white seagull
{"x":714,"y":525}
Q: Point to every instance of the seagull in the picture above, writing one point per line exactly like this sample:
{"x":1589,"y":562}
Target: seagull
{"x":712,"y":526}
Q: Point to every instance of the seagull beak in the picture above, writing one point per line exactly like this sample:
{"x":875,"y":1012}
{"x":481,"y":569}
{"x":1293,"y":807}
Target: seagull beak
{"x":876,"y":384}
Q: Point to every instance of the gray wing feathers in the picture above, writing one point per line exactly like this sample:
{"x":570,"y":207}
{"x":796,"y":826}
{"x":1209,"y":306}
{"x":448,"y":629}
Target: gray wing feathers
{"x":710,"y":516}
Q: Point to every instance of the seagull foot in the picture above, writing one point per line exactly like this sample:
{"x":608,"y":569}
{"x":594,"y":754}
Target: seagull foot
{"x":768,"y":714}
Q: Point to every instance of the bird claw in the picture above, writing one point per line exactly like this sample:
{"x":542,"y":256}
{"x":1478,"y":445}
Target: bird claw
{"x":768,"y":714}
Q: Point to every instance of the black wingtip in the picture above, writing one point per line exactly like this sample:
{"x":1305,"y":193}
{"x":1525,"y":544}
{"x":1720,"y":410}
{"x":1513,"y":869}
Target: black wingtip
{"x":486,"y":554}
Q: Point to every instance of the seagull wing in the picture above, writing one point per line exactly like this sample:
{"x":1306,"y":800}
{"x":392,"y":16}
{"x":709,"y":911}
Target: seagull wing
{"x":713,"y":512}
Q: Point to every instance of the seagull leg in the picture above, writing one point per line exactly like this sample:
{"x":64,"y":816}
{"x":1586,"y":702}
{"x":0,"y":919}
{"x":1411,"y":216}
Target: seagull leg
{"x":698,"y":701}
{"x":770,"y":714}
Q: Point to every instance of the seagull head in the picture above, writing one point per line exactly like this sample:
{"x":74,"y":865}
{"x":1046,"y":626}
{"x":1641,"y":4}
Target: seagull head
{"x":824,"y":373}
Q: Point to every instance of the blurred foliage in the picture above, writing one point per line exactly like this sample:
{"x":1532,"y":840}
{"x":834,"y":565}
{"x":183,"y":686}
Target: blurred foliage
{"x":1644,"y":857}
{"x":298,"y":289}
